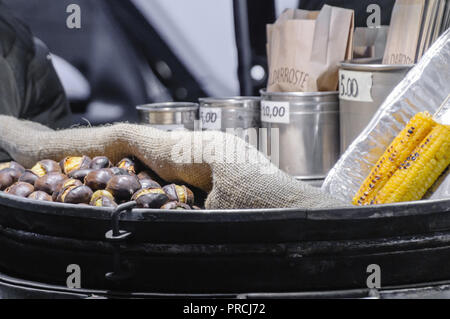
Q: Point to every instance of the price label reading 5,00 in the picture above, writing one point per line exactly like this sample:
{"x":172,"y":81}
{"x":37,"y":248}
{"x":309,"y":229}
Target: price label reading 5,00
{"x":349,"y":87}
{"x":275,"y":112}
{"x":211,"y":118}
{"x":355,"y":86}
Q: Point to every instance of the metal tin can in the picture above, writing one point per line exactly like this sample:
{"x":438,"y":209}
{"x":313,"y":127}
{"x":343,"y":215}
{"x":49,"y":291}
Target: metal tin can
{"x":301,"y":132}
{"x":364,"y":85}
{"x":169,"y":116}
{"x":239,"y":115}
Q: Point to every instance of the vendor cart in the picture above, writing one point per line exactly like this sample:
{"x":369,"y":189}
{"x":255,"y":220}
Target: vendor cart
{"x":223,"y":253}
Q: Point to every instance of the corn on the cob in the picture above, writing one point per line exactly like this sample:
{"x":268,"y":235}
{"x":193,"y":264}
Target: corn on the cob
{"x":402,"y":146}
{"x":420,"y":171}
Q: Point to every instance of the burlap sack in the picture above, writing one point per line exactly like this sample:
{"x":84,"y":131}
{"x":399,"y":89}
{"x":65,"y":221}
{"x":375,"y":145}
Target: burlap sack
{"x":305,"y":47}
{"x":233,"y":172}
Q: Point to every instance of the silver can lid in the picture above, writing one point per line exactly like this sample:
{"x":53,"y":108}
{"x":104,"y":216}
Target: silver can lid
{"x":168,"y":107}
{"x":251,"y":102}
{"x":372,"y":65}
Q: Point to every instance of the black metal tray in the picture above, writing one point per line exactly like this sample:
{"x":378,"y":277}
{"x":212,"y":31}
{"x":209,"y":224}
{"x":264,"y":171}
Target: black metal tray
{"x":281,"y":250}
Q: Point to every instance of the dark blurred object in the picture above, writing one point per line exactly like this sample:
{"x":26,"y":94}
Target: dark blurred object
{"x":30,"y":88}
{"x":251,"y":18}
{"x":170,"y":71}
{"x":369,"y":42}
{"x":116,"y":50}
{"x":360,"y":7}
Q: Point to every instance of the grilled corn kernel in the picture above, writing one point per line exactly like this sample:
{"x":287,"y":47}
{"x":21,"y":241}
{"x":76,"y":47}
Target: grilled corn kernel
{"x":402,"y":146}
{"x":417,"y":174}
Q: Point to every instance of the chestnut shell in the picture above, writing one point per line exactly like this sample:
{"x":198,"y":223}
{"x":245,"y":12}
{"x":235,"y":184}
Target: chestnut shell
{"x":40,"y":196}
{"x":64,"y":185}
{"x":28,"y":177}
{"x":85,"y":163}
{"x":119,"y":171}
{"x":149,"y":183}
{"x":153,"y":200}
{"x":8,"y":177}
{"x":20,"y":189}
{"x":122,"y":187}
{"x":12,"y":165}
{"x":98,"y":180}
{"x":173,"y":192}
{"x":176,"y":205}
{"x":76,"y":195}
{"x":80,"y":174}
{"x":105,"y":202}
{"x":128,"y":165}
{"x":50,"y":166}
{"x":50,"y":183}
{"x":100,"y":162}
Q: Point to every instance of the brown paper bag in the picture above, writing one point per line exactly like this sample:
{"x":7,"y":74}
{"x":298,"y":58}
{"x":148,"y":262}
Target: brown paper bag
{"x":305,"y":47}
{"x":404,"y":32}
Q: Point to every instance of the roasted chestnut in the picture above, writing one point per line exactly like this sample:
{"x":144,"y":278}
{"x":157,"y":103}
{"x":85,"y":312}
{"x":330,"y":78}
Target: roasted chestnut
{"x":119,"y":171}
{"x":70,"y":182}
{"x":98,"y":179}
{"x":50,"y":183}
{"x":180,"y":194}
{"x":12,"y":165}
{"x":100,"y":162}
{"x":176,"y":205}
{"x":150,"y":198}
{"x":65,"y":184}
{"x":149,"y":183}
{"x":8,"y":176}
{"x":75,"y":195}
{"x":70,"y":164}
{"x":122,"y":187}
{"x":45,"y":167}
{"x":28,"y":177}
{"x":41,"y":196}
{"x":103,"y":198}
{"x":20,"y":189}
{"x":128,"y":165}
{"x":80,"y":174}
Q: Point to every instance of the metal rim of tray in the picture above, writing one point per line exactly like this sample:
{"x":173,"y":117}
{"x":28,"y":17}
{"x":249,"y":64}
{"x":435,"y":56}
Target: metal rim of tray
{"x":168,"y":107}
{"x":38,"y":288}
{"x":419,"y":208}
{"x":264,"y":93}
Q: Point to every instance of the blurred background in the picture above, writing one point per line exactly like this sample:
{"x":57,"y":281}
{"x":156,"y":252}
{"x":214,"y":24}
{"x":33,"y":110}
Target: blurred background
{"x":132,"y":52}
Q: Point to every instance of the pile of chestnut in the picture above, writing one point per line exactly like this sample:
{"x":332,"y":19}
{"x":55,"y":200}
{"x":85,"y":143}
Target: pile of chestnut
{"x":96,"y":182}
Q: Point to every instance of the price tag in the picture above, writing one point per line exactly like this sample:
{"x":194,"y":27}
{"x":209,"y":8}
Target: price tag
{"x":211,"y":118}
{"x":355,"y":86}
{"x":275,"y":112}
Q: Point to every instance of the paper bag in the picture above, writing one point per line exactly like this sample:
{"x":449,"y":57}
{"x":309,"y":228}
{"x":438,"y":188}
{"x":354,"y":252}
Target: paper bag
{"x":305,"y":47}
{"x":404,"y":32}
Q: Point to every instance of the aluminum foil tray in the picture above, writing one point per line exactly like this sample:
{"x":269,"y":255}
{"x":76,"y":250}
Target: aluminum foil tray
{"x":424,"y":88}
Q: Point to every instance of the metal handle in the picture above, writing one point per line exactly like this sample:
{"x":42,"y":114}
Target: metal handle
{"x":123,"y":270}
{"x":116,"y":234}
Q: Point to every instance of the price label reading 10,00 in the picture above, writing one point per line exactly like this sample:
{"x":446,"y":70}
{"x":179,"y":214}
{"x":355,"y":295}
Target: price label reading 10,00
{"x":355,"y":86}
{"x":275,"y":112}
